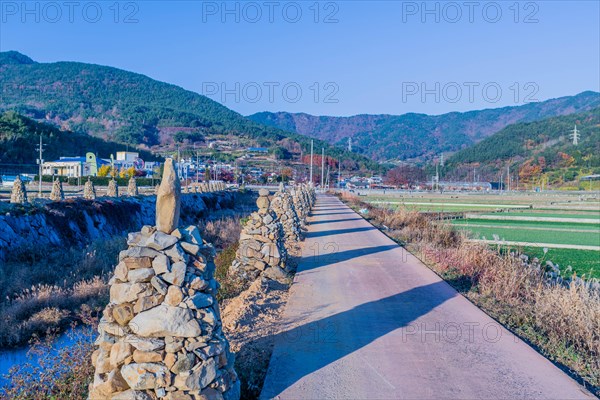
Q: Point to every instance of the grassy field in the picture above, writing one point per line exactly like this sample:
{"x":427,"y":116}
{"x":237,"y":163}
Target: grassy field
{"x":572,"y":210}
{"x":566,"y":213}
{"x":548,"y":236}
{"x":583,"y":262}
{"x":532,"y":225}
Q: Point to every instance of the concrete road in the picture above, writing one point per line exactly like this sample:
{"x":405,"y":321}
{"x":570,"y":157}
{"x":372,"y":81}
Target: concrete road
{"x":367,"y":320}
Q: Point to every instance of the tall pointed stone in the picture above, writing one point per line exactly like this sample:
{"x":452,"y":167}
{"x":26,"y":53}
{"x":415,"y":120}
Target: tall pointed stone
{"x":89,"y":191}
{"x":132,"y":189}
{"x":113,"y":188}
{"x":57,"y":193}
{"x":19,"y":193}
{"x":168,"y":199}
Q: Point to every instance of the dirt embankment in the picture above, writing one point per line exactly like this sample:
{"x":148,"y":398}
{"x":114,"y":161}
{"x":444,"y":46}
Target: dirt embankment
{"x":251,"y":321}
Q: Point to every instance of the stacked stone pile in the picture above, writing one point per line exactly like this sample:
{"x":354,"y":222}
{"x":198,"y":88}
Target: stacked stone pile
{"x":19,"y":193}
{"x":261,"y":250}
{"x":283,"y":205}
{"x":57,"y":193}
{"x":302,"y":202}
{"x":299,"y":205}
{"x":132,"y":189}
{"x":161,"y":334}
{"x":89,"y":191}
{"x":113,"y":188}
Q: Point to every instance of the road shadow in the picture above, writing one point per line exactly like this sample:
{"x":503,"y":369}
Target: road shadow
{"x":329,"y":254}
{"x":305,"y":349}
{"x":332,"y":213}
{"x":331,"y":221}
{"x":312,"y":235}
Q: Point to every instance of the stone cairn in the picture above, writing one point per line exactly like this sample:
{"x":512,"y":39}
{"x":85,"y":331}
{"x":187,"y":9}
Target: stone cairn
{"x":301,"y":198}
{"x":89,"y":191}
{"x":19,"y":193}
{"x":160,"y":336}
{"x":57,"y":193}
{"x":132,"y":189}
{"x":283,"y":205}
{"x":262,"y":249}
{"x":113,"y":188}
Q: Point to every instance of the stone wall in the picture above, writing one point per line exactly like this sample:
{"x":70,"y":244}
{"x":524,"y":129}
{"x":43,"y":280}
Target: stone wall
{"x":79,"y":221}
{"x":269,"y":233}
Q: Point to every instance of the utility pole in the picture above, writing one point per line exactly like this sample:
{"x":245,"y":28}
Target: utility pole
{"x":437,"y":176}
{"x":197,"y":166}
{"x":40,"y":162}
{"x":508,"y":176}
{"x":339,"y":174}
{"x":322,"y":167}
{"x":311,"y":160}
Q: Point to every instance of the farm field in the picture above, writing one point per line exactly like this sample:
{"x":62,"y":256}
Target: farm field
{"x":536,"y":224}
{"x":522,"y":234}
{"x":564,"y":213}
{"x":583,"y":262}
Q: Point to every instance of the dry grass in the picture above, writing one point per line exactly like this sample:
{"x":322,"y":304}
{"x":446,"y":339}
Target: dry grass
{"x":57,"y":373}
{"x":44,"y":289}
{"x":222,"y":232}
{"x":561,"y":319}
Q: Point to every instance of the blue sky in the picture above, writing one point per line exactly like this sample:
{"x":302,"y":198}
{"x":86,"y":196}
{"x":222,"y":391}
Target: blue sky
{"x":328,"y":58}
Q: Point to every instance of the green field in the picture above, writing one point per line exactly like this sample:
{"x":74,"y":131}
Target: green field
{"x":518,"y":234}
{"x":540,"y":234}
{"x":557,"y":214}
{"x":583,"y":262}
{"x":532,"y":225}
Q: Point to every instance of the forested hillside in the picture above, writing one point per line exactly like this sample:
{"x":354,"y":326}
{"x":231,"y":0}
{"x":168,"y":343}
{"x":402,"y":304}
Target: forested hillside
{"x":537,"y":150}
{"x":19,"y":136}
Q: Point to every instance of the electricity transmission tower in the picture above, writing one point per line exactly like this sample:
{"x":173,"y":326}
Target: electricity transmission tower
{"x":575,"y":136}
{"x":349,"y":144}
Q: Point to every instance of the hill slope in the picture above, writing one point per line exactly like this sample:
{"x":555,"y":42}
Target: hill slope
{"x":19,"y":136}
{"x":126,"y":107}
{"x":535,"y":149}
{"x":420,"y":136}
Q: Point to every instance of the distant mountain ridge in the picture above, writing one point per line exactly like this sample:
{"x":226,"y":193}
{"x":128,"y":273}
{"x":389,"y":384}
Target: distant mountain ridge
{"x":420,"y":136}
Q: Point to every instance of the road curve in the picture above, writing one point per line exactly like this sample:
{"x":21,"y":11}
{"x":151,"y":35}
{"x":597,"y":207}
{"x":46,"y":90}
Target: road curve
{"x":367,"y":320}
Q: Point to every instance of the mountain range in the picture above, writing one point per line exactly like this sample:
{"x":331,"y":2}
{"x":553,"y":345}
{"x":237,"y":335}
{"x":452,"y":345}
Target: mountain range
{"x":126,"y":107}
{"x":421,"y":137}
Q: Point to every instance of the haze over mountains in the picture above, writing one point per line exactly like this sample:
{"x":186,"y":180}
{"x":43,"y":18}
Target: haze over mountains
{"x":422,"y":137}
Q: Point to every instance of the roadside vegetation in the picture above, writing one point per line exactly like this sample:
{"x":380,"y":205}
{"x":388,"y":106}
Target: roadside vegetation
{"x":44,"y":289}
{"x":561,"y":318}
